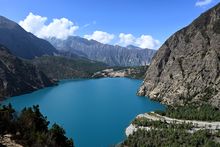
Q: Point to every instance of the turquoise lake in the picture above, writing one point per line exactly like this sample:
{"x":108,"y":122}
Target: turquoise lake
{"x":94,"y":112}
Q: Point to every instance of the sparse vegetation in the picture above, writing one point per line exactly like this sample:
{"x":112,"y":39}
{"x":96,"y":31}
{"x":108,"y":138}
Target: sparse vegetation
{"x":209,"y":92}
{"x":139,"y":72}
{"x":216,"y":27}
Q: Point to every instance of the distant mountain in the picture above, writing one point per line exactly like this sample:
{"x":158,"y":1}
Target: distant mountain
{"x":133,"y":47}
{"x":22,"y":43}
{"x":58,"y":67}
{"x":187,"y":66}
{"x":19,"y":77}
{"x":109,"y":54}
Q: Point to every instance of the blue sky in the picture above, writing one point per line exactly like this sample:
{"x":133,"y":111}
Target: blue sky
{"x":155,"y":18}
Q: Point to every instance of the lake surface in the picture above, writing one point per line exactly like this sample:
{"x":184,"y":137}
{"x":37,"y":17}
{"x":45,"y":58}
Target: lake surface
{"x":94,"y":112}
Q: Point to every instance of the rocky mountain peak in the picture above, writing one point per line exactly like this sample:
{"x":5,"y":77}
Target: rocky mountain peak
{"x":187,"y":66}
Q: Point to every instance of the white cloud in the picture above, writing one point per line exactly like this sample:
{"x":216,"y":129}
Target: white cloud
{"x":147,"y":41}
{"x":144,"y":41}
{"x":201,"y":3}
{"x":59,"y":28}
{"x":62,"y":28}
{"x":126,"y":39}
{"x":100,"y":36}
{"x":33,"y":23}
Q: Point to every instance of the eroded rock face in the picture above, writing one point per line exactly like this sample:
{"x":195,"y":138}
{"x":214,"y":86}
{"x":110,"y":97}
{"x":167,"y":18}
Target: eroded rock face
{"x":187,"y":66}
{"x":109,"y":54}
{"x":18,"y":77}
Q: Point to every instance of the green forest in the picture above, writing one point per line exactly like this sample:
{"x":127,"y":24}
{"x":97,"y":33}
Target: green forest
{"x":144,"y":122}
{"x":203,"y":112}
{"x":30,"y":128}
{"x":170,"y":138}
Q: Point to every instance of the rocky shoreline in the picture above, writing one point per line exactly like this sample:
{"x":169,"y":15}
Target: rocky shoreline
{"x":129,"y":72}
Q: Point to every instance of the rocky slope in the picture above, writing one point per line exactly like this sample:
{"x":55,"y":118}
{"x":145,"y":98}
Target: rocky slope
{"x":6,"y":141}
{"x":109,"y":54}
{"x":58,"y":67}
{"x":17,"y":76}
{"x":187,"y":66}
{"x":22,"y":43}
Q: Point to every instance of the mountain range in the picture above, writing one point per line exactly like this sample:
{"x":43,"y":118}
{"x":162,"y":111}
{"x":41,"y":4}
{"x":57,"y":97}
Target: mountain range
{"x":29,"y":63}
{"x":26,"y":45}
{"x":109,"y":54}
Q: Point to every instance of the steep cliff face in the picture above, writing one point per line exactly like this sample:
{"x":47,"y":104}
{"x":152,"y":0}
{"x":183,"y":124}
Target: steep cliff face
{"x":187,"y":66}
{"x":109,"y":54}
{"x":18,"y":77}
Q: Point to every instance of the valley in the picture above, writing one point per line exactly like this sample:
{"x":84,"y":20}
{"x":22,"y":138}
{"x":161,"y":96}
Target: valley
{"x":105,"y":89}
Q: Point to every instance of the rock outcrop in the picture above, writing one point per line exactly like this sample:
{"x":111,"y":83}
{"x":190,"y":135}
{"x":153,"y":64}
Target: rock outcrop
{"x":187,"y":66}
{"x":6,"y":141}
{"x":18,"y":76}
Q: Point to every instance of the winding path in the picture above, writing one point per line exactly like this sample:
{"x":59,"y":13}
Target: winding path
{"x":198,"y":125}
